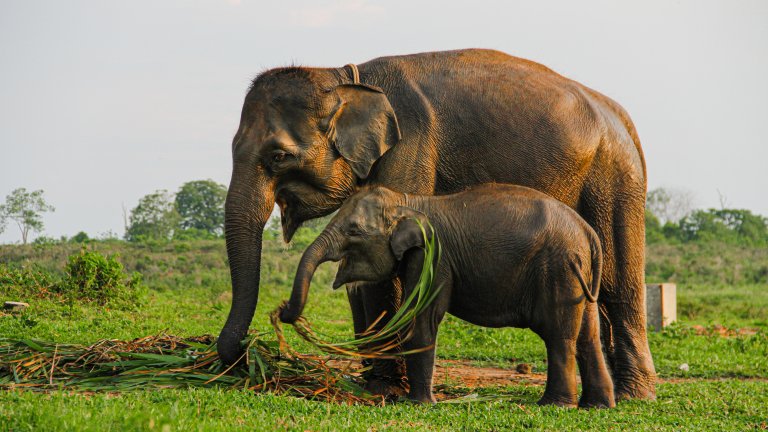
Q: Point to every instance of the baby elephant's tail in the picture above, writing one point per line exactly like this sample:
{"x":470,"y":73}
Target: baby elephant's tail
{"x":597,"y":268}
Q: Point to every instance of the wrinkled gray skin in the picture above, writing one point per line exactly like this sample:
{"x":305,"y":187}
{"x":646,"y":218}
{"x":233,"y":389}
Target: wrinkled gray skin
{"x":511,"y":256}
{"x":437,"y":123}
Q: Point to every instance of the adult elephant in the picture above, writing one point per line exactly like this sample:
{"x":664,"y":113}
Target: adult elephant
{"x":436,"y":123}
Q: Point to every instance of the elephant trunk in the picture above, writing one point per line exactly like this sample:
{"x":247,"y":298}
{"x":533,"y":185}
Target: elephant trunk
{"x":316,"y":254}
{"x":249,"y":203}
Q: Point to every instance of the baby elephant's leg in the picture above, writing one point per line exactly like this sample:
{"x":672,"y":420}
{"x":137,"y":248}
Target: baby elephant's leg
{"x":596,"y":384}
{"x":420,"y":366}
{"x":558,"y":317}
{"x":561,"y":372}
{"x":386,"y":376}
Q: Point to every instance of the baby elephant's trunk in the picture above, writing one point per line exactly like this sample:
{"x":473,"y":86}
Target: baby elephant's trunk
{"x":313,"y":256}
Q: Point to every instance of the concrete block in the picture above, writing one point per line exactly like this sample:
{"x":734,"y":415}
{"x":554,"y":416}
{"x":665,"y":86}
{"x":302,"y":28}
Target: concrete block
{"x":661,"y":304}
{"x":14,"y":306}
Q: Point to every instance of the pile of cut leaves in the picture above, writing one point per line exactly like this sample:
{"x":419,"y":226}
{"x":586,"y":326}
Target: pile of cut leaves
{"x":165,"y":361}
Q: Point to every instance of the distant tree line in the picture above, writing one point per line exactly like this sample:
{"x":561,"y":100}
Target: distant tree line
{"x":196,"y":211}
{"x":669,"y":218}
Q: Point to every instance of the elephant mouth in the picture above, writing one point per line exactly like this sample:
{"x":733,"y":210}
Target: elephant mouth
{"x":294,"y":212}
{"x":340,"y":274}
{"x":288,"y":222}
{"x":343,"y":276}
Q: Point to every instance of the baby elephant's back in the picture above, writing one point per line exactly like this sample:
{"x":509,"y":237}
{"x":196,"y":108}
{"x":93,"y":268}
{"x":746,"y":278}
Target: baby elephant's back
{"x":517,"y":219}
{"x":513,"y":243}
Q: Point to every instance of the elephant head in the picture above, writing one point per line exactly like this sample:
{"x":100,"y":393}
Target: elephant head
{"x":306,"y":138}
{"x":369,"y":235}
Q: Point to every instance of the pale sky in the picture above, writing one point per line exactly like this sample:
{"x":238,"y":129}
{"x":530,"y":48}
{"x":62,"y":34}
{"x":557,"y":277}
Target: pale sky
{"x":103,"y":102}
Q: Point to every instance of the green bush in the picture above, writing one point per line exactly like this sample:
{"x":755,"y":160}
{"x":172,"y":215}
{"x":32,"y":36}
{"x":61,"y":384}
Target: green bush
{"x":731,"y":226}
{"x":81,"y":237}
{"x":92,"y":276}
{"x":44,"y":242}
{"x":88,"y":276}
{"x":653,"y":232}
{"x":19,"y":283}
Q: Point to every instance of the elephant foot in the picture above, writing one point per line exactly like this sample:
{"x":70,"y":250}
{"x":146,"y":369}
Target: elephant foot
{"x":597,"y":395}
{"x":564,"y":402}
{"x":629,"y":357}
{"x":422,"y":399}
{"x":386,"y":377}
{"x":391,"y":389}
{"x":596,"y":402}
{"x":631,"y":389}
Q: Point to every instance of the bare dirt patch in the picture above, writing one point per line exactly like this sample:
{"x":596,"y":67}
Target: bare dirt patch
{"x":460,"y":372}
{"x":463,"y":372}
{"x":723,"y":331}
{"x":466,"y":373}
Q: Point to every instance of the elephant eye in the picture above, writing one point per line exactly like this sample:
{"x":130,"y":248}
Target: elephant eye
{"x":354,"y":232}
{"x":279,"y":156}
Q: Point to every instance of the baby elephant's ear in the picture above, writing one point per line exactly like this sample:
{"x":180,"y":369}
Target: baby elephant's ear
{"x":406,"y":235}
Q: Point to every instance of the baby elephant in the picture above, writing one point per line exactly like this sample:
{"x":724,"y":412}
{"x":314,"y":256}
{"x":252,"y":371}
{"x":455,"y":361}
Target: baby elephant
{"x":511,"y":257}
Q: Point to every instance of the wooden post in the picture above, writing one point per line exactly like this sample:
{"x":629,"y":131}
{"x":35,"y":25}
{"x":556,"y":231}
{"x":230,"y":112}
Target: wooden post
{"x":661,"y":304}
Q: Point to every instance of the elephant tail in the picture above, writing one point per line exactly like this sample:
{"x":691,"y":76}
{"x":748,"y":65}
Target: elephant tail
{"x":596,"y":255}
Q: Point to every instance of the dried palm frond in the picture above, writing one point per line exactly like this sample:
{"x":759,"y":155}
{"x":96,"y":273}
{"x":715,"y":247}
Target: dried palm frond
{"x":166,"y":361}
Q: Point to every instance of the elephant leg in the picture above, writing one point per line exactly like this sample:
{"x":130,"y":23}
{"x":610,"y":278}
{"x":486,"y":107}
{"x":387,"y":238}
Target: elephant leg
{"x":421,"y":365}
{"x":561,"y":372}
{"x":558,"y":323}
{"x":622,"y":288}
{"x":421,"y":368}
{"x":596,"y":384}
{"x":634,"y":375}
{"x":386,"y":376}
{"x":357,"y":305}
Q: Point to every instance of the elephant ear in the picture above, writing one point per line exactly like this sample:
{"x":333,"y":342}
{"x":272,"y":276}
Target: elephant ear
{"x":363,"y":127}
{"x":407,"y":235}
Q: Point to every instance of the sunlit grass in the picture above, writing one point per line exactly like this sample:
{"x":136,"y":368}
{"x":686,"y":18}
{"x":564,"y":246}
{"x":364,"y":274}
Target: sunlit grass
{"x":189,"y":296}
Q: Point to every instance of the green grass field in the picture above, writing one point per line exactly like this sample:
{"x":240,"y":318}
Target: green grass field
{"x":725,"y":388}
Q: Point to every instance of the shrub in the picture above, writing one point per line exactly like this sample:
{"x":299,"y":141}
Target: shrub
{"x":81,"y":237}
{"x":733,"y":226}
{"x":20,"y":283}
{"x":44,"y":242}
{"x":92,"y":276}
{"x":88,"y":276}
{"x":653,"y":233}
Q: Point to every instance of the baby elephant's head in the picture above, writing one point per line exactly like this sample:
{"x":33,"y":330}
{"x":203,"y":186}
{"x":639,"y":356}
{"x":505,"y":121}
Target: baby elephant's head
{"x":369,"y":235}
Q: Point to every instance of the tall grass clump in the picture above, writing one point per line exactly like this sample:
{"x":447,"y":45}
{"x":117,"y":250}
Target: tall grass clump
{"x":22,"y":282}
{"x":93,"y":277}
